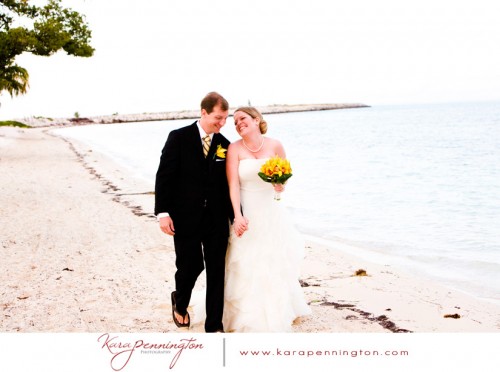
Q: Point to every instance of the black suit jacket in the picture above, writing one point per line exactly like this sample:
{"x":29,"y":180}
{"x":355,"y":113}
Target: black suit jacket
{"x":188,"y":184}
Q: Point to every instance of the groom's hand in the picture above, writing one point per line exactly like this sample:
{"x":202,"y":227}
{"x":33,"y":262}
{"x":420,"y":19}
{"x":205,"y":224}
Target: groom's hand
{"x":167,"y":225}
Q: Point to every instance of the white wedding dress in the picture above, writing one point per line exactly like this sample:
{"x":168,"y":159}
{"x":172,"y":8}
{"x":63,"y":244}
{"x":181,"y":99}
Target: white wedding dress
{"x":262,"y":289}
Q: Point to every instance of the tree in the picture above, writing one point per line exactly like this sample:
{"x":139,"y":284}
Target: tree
{"x":40,"y":30}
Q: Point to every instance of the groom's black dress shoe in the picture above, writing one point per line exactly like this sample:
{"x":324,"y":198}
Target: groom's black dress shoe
{"x":220,"y":330}
{"x":174,"y":311}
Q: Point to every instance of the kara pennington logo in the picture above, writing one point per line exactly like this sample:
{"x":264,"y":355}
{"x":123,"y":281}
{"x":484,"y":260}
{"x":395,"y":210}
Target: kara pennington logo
{"x":121,"y":352}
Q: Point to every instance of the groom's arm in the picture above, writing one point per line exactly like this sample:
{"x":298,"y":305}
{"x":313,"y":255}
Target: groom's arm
{"x":166,"y":175}
{"x":165,"y":183}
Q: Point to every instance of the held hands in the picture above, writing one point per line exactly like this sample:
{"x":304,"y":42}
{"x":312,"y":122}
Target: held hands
{"x":240,"y":225}
{"x":167,"y":225}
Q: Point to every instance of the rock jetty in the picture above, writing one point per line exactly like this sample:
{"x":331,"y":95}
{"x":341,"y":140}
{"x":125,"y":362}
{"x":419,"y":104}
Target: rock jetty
{"x":175,"y":115}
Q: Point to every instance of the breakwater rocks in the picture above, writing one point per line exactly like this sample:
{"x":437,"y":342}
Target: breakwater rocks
{"x":176,"y":115}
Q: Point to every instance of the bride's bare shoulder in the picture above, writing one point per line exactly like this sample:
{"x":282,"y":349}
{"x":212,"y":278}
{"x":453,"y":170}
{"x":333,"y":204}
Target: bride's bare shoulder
{"x":275,"y":146}
{"x":234,"y":148}
{"x":274,"y":142}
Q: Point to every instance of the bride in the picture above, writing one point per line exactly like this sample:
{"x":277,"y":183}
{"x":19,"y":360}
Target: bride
{"x":262,"y":289}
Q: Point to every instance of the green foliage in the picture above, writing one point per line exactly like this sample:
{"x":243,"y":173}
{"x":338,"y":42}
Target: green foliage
{"x":11,"y":123}
{"x":40,"y":30}
{"x":43,"y":117}
{"x":275,"y":178}
{"x":14,"y":79}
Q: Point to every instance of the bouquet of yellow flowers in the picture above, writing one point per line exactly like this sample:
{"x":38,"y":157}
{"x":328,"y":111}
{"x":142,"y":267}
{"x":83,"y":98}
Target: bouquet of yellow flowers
{"x":276,"y":171}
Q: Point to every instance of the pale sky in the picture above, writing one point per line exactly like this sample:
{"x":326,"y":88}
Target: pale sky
{"x":163,"y":55}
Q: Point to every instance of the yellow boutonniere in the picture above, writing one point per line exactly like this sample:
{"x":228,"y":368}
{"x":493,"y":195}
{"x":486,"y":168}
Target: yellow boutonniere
{"x":220,"y":152}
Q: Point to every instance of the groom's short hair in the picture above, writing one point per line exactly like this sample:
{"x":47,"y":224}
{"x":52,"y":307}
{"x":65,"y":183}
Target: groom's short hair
{"x":213,"y":99}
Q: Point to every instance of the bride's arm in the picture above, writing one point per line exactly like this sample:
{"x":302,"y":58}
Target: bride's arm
{"x":232,"y":162}
{"x":280,"y":151}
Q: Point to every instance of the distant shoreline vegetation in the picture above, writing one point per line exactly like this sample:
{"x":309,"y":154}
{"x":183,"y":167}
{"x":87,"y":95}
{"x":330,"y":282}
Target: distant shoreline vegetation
{"x":13,"y":123}
{"x":174,"y":115}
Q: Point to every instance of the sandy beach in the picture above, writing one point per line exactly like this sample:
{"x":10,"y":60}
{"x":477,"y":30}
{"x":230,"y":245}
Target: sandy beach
{"x":82,"y":252}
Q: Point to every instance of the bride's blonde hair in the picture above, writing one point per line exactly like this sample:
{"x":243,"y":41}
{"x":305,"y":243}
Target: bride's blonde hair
{"x":254,"y":113}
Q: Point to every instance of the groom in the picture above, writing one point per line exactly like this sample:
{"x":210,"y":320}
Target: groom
{"x":192,"y":204}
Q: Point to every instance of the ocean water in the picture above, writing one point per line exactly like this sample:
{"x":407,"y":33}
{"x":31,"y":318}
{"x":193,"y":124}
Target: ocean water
{"x":416,"y":187}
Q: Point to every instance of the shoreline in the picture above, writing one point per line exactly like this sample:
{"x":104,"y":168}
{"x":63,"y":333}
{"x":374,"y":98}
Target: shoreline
{"x":39,"y":122}
{"x":376,"y":258}
{"x":93,"y":238}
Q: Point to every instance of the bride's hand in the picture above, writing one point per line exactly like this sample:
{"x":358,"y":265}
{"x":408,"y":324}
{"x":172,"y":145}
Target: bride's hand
{"x":279,"y":187}
{"x":240,"y":225}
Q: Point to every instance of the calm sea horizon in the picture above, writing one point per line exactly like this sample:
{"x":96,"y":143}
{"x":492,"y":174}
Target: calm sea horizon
{"x":414,"y":186}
